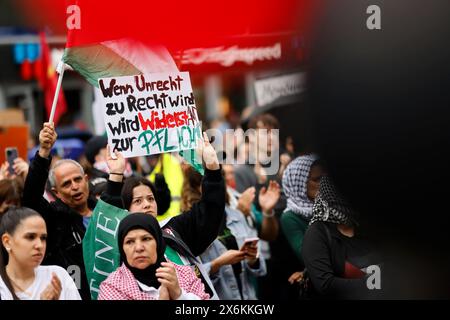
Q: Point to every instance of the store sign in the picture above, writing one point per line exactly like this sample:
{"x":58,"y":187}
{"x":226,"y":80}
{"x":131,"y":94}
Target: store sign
{"x":270,"y":89}
{"x":227,"y":56}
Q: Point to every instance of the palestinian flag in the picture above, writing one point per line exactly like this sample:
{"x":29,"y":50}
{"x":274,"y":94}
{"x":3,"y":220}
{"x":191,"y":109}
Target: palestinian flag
{"x":96,"y":53}
{"x":123,"y":57}
{"x":110,"y":38}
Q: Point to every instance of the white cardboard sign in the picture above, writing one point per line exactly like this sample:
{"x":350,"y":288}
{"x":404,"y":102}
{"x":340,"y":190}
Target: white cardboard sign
{"x":150,"y":114}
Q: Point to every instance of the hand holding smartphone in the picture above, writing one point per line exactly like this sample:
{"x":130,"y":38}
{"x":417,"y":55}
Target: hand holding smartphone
{"x":250,"y":247}
{"x":11,"y":154}
{"x":250,"y":242}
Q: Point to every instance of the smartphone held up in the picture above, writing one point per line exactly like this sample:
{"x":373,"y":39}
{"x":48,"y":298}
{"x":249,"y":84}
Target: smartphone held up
{"x":11,"y":154}
{"x":250,"y":243}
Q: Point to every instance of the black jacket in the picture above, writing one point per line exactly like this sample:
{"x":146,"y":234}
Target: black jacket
{"x":325,"y":253}
{"x":65,"y":227}
{"x":198,"y":227}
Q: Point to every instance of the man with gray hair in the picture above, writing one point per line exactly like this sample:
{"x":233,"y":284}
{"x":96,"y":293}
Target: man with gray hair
{"x":68,"y":182}
{"x":68,"y":216}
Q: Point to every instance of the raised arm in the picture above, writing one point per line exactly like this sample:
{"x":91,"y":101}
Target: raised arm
{"x":112,"y":194}
{"x":38,"y":173}
{"x":200,"y":226}
{"x":114,"y":185}
{"x":268,"y":198}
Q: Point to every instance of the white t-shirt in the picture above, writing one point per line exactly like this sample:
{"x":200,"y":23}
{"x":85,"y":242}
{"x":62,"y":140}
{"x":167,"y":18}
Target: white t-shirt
{"x":43,"y":277}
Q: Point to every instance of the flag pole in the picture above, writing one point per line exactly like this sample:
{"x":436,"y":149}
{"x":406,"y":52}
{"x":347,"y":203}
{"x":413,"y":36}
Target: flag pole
{"x":60,"y":70}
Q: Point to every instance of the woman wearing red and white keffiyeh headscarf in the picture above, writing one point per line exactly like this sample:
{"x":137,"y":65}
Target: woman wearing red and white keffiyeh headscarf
{"x":145,"y":274}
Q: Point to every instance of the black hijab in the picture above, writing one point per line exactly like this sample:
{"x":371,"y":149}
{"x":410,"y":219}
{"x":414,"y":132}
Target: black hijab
{"x":146,"y":222}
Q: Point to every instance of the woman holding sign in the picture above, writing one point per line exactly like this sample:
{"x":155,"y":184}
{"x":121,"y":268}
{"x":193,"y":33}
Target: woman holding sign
{"x":186,"y":235}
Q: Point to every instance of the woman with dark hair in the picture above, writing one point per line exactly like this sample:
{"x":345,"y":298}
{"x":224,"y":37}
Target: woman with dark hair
{"x":187,"y":235}
{"x":23,"y":243}
{"x":10,"y":194}
{"x":159,"y":190}
{"x":338,"y":259}
{"x":191,"y":192}
{"x":145,"y":274}
{"x":128,"y":187}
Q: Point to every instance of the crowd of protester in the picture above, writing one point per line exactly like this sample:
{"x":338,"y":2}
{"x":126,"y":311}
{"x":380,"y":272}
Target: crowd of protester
{"x":234,"y":233}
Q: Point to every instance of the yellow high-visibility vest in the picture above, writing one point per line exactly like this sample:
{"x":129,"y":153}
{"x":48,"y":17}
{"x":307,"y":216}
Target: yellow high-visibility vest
{"x":171,"y":169}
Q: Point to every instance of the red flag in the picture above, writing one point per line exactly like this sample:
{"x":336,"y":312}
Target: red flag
{"x":48,"y":79}
{"x":25,"y":70}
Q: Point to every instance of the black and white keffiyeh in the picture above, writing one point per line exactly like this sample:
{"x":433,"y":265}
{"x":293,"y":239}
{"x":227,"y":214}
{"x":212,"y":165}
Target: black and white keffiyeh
{"x":329,"y":206}
{"x":295,"y":179}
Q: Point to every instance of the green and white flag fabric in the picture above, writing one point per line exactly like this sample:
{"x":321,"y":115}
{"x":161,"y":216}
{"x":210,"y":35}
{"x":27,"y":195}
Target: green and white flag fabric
{"x":120,"y":57}
{"x":100,"y":248}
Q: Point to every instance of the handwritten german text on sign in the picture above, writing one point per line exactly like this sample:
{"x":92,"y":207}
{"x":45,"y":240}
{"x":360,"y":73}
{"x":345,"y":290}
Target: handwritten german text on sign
{"x":150,"y":114}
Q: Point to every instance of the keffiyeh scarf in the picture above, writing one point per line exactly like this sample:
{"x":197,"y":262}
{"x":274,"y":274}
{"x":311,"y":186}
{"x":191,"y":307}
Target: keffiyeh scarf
{"x":329,"y":206}
{"x":295,"y":179}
